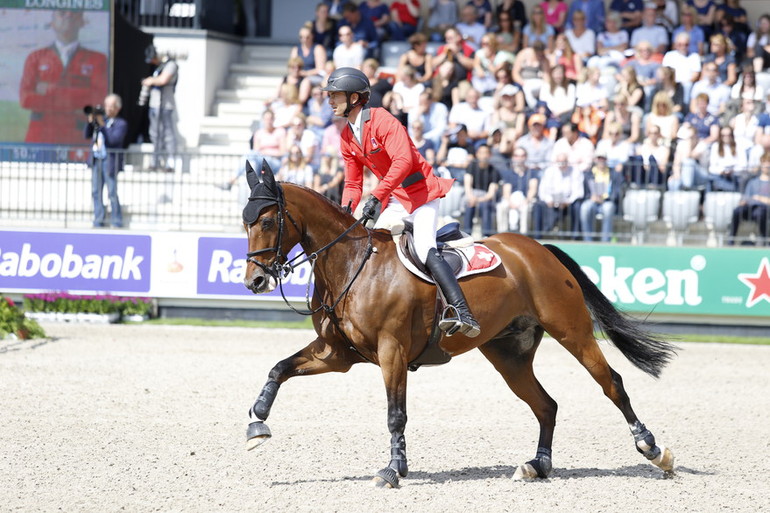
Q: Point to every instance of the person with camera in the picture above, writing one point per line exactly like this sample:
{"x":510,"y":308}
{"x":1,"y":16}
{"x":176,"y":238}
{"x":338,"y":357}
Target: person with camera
{"x":161,"y":84}
{"x":107,"y":132}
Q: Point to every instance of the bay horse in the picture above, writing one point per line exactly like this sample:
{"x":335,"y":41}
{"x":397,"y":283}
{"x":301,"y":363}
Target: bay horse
{"x":367,"y":307}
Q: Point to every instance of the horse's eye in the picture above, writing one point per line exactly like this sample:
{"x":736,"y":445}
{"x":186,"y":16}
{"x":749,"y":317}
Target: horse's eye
{"x":267,"y":223}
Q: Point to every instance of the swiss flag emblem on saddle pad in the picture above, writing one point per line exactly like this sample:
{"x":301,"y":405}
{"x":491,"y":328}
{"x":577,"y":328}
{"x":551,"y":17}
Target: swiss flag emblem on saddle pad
{"x":482,"y":258}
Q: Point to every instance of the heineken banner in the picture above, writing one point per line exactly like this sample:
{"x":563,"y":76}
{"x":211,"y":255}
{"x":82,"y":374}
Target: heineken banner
{"x":730,"y":282}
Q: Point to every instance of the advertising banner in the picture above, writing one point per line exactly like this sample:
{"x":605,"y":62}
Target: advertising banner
{"x":55,"y":61}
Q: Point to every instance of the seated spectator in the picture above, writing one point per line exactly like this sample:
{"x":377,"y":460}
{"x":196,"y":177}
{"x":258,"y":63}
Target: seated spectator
{"x":579,"y":150}
{"x":295,"y":168}
{"x":331,"y":137}
{"x":564,"y":55}
{"x":593,"y":11}
{"x":298,"y":134}
{"x":328,"y":181}
{"x":699,"y":131}
{"x":745,"y":126}
{"x":335,"y":8}
{"x":560,"y":193}
{"x":747,"y":86}
{"x":735,"y":37}
{"x":433,"y":115}
{"x":686,"y":64}
{"x":697,"y":43}
{"x":519,"y":194}
{"x":629,"y":86}
{"x":404,"y":19}
{"x":555,"y":14}
{"x":380,"y":86}
{"x":423,"y":145}
{"x":418,"y":58}
{"x":717,"y":93}
{"x":379,"y":13}
{"x":722,"y":55}
{"x":454,"y":156}
{"x":537,"y":30}
{"x":486,"y":62}
{"x":610,"y":44}
{"x":590,"y":92}
{"x":473,"y":116}
{"x":724,"y":164}
{"x":481,"y":181}
{"x":667,"y":14}
{"x":539,"y":148}
{"x":558,"y":93}
{"x":442,"y":15}
{"x":294,"y":79}
{"x":581,"y":38}
{"x":706,"y":124}
{"x":515,"y":9}
{"x":758,"y":44}
{"x":667,"y":84}
{"x":269,"y":141}
{"x":662,"y":115}
{"x":603,"y":185}
{"x":469,"y":26}
{"x":652,"y":165}
{"x":705,"y":12}
{"x":504,"y":78}
{"x":763,"y":122}
{"x":324,"y":29}
{"x":313,"y":57}
{"x":508,"y":35}
{"x":483,"y":12}
{"x":456,"y":52}
{"x":405,"y":94}
{"x":732,"y":9}
{"x":755,"y":202}
{"x":349,"y":52}
{"x":364,"y":31}
{"x":617,"y":151}
{"x":318,"y":112}
{"x":529,"y":69}
{"x":646,"y":64}
{"x":509,"y":112}
{"x":654,"y":34}
{"x":590,"y":120}
{"x":629,"y":119}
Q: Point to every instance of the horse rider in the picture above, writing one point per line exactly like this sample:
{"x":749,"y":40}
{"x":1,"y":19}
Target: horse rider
{"x":407,"y":188}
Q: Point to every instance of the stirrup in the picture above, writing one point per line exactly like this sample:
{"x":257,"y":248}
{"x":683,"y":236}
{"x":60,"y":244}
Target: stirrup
{"x":451,"y":322}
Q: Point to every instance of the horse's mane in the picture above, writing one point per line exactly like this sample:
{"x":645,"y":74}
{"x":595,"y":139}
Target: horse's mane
{"x":329,"y":207}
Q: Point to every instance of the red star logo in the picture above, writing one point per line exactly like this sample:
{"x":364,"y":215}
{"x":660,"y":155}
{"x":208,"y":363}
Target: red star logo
{"x":759,"y":283}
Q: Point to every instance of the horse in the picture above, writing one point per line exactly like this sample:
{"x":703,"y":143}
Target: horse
{"x":367,"y":307}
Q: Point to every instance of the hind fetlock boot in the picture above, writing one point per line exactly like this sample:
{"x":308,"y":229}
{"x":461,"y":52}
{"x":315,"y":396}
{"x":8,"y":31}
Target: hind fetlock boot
{"x":457,"y":316}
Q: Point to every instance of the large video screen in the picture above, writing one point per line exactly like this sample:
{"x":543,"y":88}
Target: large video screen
{"x":56,"y":60}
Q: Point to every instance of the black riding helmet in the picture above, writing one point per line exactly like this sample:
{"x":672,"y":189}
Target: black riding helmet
{"x":349,"y":81}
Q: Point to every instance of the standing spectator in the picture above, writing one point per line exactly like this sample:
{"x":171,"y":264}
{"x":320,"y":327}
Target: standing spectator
{"x":611,"y":44}
{"x":471,"y":115}
{"x":442,"y":14}
{"x":418,"y":58}
{"x":686,"y":64}
{"x":630,"y":12}
{"x":710,"y":85}
{"x":603,"y":184}
{"x":58,"y":80}
{"x":481,"y":182}
{"x":581,"y":38}
{"x":349,"y":53}
{"x":433,"y":115}
{"x":555,"y":12}
{"x":649,"y":31}
{"x":295,"y":169}
{"x":688,"y":26}
{"x":379,"y":14}
{"x":519,"y":194}
{"x":724,"y":58}
{"x":755,"y":203}
{"x":593,"y":10}
{"x":364,"y":31}
{"x":579,"y":150}
{"x":539,"y":148}
{"x":107,"y":132}
{"x":560,"y":193}
{"x":162,"y":104}
{"x":469,"y":26}
{"x":537,"y":30}
{"x":405,"y":16}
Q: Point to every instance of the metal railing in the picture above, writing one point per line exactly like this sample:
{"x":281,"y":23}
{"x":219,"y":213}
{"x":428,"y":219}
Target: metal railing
{"x":50,"y":187}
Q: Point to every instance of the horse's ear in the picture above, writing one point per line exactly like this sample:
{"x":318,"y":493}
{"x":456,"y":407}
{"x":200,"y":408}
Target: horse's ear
{"x":251,"y":175}
{"x":267,"y":176}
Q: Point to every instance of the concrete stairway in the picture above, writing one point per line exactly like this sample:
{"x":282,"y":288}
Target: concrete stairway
{"x":237,"y":109}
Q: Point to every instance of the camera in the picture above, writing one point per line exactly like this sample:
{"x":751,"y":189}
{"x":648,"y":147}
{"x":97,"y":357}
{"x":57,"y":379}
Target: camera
{"x":97,"y":110}
{"x":144,"y":96}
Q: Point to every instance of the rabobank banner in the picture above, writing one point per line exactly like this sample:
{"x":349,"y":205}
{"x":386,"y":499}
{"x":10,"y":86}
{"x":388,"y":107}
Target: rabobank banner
{"x":162,"y":265}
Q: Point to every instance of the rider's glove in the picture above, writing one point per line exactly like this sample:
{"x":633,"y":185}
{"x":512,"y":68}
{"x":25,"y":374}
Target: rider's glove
{"x":370,"y":208}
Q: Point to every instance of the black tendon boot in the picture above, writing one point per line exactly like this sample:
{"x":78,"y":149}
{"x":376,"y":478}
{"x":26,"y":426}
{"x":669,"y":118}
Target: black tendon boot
{"x":457,"y":317}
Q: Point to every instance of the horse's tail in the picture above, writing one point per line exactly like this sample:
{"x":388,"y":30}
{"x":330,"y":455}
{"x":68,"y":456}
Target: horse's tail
{"x":641,"y":347}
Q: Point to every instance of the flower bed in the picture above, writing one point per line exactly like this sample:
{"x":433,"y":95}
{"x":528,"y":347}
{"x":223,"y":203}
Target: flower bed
{"x":65,"y":307}
{"x":14,"y":324}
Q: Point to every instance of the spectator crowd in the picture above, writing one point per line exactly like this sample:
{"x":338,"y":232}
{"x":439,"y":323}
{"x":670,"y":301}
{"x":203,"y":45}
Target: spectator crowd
{"x":545,"y":114}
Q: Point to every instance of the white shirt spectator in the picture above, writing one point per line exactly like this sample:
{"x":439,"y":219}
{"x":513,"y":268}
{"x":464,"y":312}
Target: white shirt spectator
{"x":684,"y":65}
{"x":585,"y":44}
{"x":718,"y":94}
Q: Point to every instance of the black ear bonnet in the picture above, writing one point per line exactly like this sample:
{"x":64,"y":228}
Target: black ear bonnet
{"x":264,"y":193}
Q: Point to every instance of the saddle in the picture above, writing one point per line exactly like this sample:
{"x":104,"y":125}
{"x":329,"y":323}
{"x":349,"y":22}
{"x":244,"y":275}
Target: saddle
{"x":448,"y":237}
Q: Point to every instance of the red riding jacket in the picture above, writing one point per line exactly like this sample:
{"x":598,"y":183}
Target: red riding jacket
{"x":390,"y":154}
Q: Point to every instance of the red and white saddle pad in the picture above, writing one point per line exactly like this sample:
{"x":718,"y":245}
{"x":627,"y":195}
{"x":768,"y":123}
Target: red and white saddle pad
{"x":476,"y":259}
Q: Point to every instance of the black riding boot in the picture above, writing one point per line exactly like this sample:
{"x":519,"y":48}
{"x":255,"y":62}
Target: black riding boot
{"x":462,"y":320}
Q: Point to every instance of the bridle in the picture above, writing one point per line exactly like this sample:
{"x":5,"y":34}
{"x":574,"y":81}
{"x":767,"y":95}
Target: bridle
{"x":281,"y":267}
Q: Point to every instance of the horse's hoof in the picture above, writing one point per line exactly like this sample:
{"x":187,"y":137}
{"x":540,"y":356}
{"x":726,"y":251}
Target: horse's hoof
{"x":665,"y":461}
{"x":256,"y":434}
{"x":525,"y":471}
{"x":386,"y":478}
